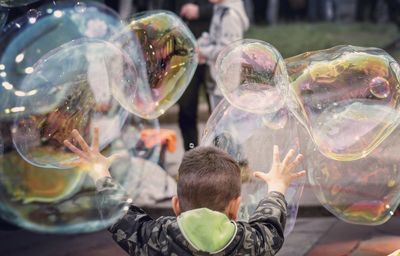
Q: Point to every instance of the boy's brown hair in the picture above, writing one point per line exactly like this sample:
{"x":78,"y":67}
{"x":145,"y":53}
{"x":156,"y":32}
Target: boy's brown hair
{"x":209,"y":178}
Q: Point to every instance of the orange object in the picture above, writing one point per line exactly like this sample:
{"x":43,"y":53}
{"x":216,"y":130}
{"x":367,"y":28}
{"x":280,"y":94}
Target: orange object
{"x":152,"y":137}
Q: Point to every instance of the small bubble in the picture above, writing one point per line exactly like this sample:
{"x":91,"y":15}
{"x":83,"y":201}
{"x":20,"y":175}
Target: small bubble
{"x":32,"y":15}
{"x":191,"y":145}
{"x":80,"y":7}
{"x":379,"y":87}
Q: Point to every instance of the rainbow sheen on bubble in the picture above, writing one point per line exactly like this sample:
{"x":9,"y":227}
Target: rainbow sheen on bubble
{"x":347,"y":97}
{"x":16,"y":3}
{"x":26,"y":40}
{"x":58,"y":67}
{"x":249,"y":138}
{"x":249,"y":74}
{"x":65,"y":201}
{"x":78,"y":98}
{"x":165,"y":49}
{"x":364,"y":191}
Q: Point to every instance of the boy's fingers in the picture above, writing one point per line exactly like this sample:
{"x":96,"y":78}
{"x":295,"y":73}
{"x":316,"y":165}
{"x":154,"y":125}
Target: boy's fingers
{"x":261,"y":175}
{"x":74,"y":149}
{"x":95,"y":140}
{"x":288,"y":156}
{"x":85,"y":147}
{"x":299,"y":174}
{"x":73,"y":163}
{"x":296,"y":162}
{"x":116,"y":156}
{"x":276,"y":156}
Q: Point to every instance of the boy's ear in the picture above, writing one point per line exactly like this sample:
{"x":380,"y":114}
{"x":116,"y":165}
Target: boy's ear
{"x":233,"y":208}
{"x":175,"y":205}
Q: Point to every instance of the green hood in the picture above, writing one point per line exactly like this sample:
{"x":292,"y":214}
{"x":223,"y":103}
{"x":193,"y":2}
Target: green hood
{"x":207,"y":230}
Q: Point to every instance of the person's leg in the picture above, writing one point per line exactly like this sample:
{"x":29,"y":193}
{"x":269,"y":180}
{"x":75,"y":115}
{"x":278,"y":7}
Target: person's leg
{"x":260,"y":7}
{"x":394,"y":11}
{"x":188,"y":105}
{"x":214,"y":101}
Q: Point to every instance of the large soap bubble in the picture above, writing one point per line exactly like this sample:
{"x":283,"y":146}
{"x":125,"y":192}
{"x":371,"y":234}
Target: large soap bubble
{"x":166,"y":51}
{"x":66,"y":201}
{"x":249,"y":138}
{"x":250,"y":73}
{"x":347,"y":97}
{"x":26,"y":40}
{"x":364,"y":191}
{"x":79,"y":97}
{"x":15,"y":3}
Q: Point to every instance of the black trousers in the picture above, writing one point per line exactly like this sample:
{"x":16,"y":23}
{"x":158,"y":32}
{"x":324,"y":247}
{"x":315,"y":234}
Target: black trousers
{"x":188,"y":106}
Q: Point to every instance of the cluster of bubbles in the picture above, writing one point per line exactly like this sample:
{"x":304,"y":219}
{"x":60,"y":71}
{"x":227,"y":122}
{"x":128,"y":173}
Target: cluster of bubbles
{"x":348,"y":100}
{"x":252,"y":118}
{"x":249,"y":138}
{"x":76,"y":65}
{"x":340,"y":106}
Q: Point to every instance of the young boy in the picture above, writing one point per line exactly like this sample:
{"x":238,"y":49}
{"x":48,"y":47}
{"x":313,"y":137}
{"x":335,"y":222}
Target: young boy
{"x":206,"y":206}
{"x":228,"y":24}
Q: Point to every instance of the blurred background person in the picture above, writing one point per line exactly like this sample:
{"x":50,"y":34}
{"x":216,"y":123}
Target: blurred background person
{"x":229,"y":23}
{"x":260,"y":11}
{"x":366,"y":10}
{"x":197,"y":14}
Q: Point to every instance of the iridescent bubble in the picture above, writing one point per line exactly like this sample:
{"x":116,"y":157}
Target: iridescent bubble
{"x":347,"y":97}
{"x":379,"y":87}
{"x":15,"y":3}
{"x":250,"y":73}
{"x":364,"y":191}
{"x":80,"y":7}
{"x":32,"y":15}
{"x":79,"y":97}
{"x":165,"y":48}
{"x":23,"y":43}
{"x":66,"y":201}
{"x":249,"y":138}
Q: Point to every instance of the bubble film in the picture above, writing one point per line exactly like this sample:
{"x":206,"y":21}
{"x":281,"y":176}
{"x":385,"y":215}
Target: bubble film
{"x":167,"y":50}
{"x":249,"y":138}
{"x":26,"y":40}
{"x":364,"y":191}
{"x":65,"y":201}
{"x":15,"y":3}
{"x":347,"y":97}
{"x":79,"y":98}
{"x":249,"y":74}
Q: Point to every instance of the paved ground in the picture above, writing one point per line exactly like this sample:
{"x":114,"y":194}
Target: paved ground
{"x":311,"y":236}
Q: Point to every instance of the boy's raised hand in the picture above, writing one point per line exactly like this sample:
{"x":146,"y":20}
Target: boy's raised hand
{"x":90,"y":157}
{"x":281,"y":174}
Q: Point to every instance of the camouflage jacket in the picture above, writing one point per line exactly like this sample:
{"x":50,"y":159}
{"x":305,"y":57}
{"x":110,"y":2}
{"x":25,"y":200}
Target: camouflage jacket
{"x":138,"y":234}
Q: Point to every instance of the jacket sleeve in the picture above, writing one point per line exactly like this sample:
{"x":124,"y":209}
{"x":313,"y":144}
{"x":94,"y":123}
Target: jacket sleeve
{"x":231,"y":30}
{"x":134,"y":230}
{"x":265,"y":229}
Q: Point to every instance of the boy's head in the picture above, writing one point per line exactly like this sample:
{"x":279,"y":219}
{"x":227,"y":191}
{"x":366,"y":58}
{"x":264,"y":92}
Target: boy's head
{"x":208,"y":178}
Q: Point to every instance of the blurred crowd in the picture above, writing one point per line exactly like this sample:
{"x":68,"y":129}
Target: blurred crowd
{"x":273,"y":11}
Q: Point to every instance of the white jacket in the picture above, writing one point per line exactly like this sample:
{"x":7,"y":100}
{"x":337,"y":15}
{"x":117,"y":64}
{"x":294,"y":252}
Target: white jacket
{"x":228,"y":24}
